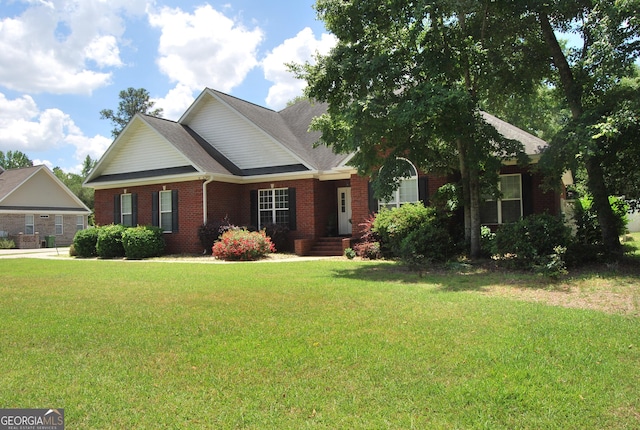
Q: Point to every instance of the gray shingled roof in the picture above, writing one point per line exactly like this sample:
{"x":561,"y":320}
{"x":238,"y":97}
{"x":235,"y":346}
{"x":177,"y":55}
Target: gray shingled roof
{"x":289,"y":127}
{"x":532,"y":144}
{"x":12,"y":178}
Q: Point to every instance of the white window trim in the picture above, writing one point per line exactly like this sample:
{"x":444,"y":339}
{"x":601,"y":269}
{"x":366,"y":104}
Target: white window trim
{"x":81,"y":223}
{"x":170,"y":211}
{"x":395,"y":199}
{"x":122,"y":212}
{"x":500,"y":200}
{"x":61,"y":224}
{"x":28,"y":224}
{"x":273,"y":209}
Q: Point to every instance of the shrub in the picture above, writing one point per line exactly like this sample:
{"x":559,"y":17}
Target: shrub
{"x":243,"y":245}
{"x":84,"y":242}
{"x":211,"y":231}
{"x":393,"y":225}
{"x":350,"y":253}
{"x":369,"y":244}
{"x":369,"y":250}
{"x":7,"y":243}
{"x":109,"y":244}
{"x":587,"y":226}
{"x":279,"y":235}
{"x":430,"y":242}
{"x":487,"y":241}
{"x":529,"y":242}
{"x":143,"y":242}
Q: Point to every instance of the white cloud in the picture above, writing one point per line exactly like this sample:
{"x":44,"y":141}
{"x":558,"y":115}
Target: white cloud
{"x":299,"y":49}
{"x":176,"y":102}
{"x":63,"y":46}
{"x":205,"y":49}
{"x":25,"y":128}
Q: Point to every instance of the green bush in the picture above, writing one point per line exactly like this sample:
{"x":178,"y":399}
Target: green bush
{"x":350,"y":253}
{"x":243,"y":245}
{"x":7,"y":243}
{"x":430,"y":242}
{"x":393,"y":225}
{"x":531,"y":241}
{"x":84,"y":242}
{"x":588,"y":228}
{"x":143,"y":242}
{"x":109,"y":244}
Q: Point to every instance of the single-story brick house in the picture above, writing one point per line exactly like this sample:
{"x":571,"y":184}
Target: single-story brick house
{"x":35,"y":204}
{"x":226,"y":157}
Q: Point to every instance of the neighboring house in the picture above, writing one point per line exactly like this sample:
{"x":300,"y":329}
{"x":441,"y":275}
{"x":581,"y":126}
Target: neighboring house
{"x":36,"y":206}
{"x":226,"y":157}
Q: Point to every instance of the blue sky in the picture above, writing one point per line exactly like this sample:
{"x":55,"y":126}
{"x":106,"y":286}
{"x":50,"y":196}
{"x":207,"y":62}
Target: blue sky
{"x":62,"y":61}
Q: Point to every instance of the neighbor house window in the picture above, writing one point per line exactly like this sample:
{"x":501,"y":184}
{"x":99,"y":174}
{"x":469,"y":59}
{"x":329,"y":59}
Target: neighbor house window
{"x":79,"y":222}
{"x":126,"y":210}
{"x":509,"y":207}
{"x":166,"y":210}
{"x":407,"y":192}
{"x":273,"y":207}
{"x":28,"y":224}
{"x":59,"y":224}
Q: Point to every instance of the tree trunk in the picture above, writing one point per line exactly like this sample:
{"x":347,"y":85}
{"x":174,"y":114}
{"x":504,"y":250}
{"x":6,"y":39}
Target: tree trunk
{"x":471,"y":197}
{"x":595,"y":181}
{"x":606,"y":218}
{"x":474,"y":208}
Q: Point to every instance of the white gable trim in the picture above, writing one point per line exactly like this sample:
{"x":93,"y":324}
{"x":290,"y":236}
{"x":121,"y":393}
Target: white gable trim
{"x":82,"y":207}
{"x":246,"y":120}
{"x":107,"y":156}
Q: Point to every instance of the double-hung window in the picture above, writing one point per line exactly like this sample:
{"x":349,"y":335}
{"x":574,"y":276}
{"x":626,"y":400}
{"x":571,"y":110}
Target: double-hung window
{"x":273,"y":206}
{"x":407,"y":192}
{"x":166,"y":211}
{"x":29,"y":224}
{"x":79,"y":222}
{"x":59,"y":224}
{"x":509,"y":207}
{"x":126,"y":210}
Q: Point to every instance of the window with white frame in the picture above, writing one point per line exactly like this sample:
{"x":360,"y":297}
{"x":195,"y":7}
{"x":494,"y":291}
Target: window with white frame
{"x":126,"y":210}
{"x":509,"y":207}
{"x":166,"y":211}
{"x":28,"y":224}
{"x":273,"y":206}
{"x":79,"y":222}
{"x":407,"y":192}
{"x":59,"y":224}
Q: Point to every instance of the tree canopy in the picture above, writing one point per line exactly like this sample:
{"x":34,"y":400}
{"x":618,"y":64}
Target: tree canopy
{"x":14,"y":160}
{"x":132,"y":101}
{"x":406,"y":79}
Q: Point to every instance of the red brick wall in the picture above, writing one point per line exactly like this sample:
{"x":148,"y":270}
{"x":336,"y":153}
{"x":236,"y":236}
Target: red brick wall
{"x":190,"y":214}
{"x":359,"y":203}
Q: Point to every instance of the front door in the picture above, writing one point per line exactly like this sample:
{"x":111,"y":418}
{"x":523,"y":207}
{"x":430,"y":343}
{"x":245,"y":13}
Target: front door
{"x":344,"y":211}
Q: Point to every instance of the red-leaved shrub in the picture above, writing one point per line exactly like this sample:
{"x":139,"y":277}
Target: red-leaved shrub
{"x":243,"y":245}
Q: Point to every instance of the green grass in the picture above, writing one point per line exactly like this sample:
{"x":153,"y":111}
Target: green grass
{"x":329,"y":344}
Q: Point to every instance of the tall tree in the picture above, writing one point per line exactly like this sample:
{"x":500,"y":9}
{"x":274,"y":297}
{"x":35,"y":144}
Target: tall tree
{"x":132,"y":101}
{"x":14,"y":160}
{"x":406,"y":79}
{"x":594,"y":78}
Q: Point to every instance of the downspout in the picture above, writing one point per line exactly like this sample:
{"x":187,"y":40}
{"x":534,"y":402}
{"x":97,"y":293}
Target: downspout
{"x":205,"y":216}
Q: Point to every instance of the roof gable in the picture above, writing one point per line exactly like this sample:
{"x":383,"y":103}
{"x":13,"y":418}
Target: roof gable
{"x":36,"y":188}
{"x":251,"y":137}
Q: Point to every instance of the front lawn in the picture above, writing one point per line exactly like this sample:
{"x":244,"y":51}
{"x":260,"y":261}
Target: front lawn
{"x":322,"y":344}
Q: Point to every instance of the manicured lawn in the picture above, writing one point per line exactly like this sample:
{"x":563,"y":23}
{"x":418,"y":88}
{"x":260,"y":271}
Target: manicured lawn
{"x":329,"y":344}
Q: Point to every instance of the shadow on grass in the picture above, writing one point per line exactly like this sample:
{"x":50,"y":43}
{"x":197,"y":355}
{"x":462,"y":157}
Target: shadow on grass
{"x":482,"y":275}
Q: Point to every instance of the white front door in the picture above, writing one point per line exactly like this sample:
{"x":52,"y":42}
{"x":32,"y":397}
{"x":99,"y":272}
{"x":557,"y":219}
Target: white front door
{"x":344,"y":211}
